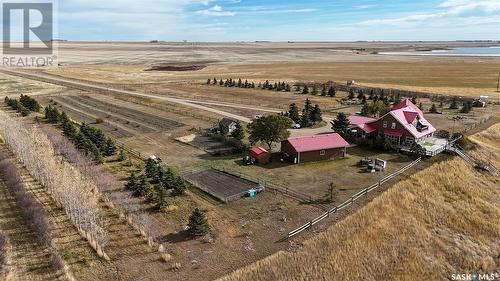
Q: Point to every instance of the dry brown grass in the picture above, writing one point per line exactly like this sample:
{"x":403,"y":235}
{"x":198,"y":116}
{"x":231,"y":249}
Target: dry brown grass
{"x":467,"y":77}
{"x":442,"y":220}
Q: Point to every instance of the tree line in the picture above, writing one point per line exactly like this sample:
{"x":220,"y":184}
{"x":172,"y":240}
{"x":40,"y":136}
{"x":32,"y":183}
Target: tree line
{"x":25,"y":105}
{"x":89,"y":140}
{"x":74,"y":192}
{"x":279,"y":86}
{"x":32,"y":211}
{"x":157,"y":184}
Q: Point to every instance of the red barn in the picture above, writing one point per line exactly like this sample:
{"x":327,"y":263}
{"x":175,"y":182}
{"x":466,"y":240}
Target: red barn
{"x":314,"y":148}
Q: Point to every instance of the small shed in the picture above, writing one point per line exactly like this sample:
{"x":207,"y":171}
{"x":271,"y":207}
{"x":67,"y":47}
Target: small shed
{"x":261,"y":155}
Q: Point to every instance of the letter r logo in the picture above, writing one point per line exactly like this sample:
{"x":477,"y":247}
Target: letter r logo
{"x":34,"y":29}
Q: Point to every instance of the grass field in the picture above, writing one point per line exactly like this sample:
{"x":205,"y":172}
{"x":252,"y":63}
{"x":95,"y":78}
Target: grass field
{"x":451,"y":77}
{"x":440,"y":221}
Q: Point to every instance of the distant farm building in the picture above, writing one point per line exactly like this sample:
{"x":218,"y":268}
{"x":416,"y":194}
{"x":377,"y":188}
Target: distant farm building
{"x":261,"y":155}
{"x":314,"y":148}
{"x":227,"y":125}
{"x":404,"y":125}
{"x":481,"y":102}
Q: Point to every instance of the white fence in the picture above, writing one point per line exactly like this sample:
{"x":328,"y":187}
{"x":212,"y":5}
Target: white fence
{"x":354,"y":198}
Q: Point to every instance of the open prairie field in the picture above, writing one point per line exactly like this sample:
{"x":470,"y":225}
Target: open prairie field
{"x":128,"y":63}
{"x":438,"y":222}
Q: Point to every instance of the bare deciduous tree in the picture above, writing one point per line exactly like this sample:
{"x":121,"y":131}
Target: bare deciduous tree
{"x":76,"y":194}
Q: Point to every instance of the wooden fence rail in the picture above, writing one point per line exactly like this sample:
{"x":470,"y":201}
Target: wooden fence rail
{"x":351,"y":200}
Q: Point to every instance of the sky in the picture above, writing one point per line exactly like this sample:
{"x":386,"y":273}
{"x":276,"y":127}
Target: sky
{"x":278,"y":20}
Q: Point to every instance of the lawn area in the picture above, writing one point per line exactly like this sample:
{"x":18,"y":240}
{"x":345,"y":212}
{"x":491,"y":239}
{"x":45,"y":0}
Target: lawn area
{"x":314,"y":178}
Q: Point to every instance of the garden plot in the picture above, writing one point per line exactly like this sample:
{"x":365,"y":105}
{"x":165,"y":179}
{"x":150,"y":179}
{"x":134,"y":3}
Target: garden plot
{"x":81,"y":117}
{"x":222,"y":186}
{"x":148,"y":119}
{"x":105,"y":115}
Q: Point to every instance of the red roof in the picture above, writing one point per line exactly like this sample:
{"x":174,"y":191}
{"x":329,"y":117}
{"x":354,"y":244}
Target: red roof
{"x":393,"y":132}
{"x":256,"y":151}
{"x":407,"y":103}
{"x":362,"y":122}
{"x":357,"y":120}
{"x":317,"y":142}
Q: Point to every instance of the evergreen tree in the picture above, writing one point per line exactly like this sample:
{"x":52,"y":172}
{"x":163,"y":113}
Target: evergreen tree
{"x":341,"y":123}
{"x":198,"y":224}
{"x":132,"y":182}
{"x":331,"y":91}
{"x":287,"y":88}
{"x":239,"y":132}
{"x":208,"y":81}
{"x":351,"y":94}
{"x":414,"y":100}
{"x":240,"y":83}
{"x":215,"y":81}
{"x":433,"y":108}
{"x":162,"y":199}
{"x":221,"y":83}
{"x":316,"y":114}
{"x":365,"y":111}
{"x":361,"y":95}
{"x":363,"y":100}
{"x":315,"y":90}
{"x":466,"y":108}
{"x":151,"y":168}
{"x":298,"y":89}
{"x":323,"y":91}
{"x":179,"y":186}
{"x":23,"y":110}
{"x":293,"y":113}
{"x":305,"y":90}
{"x":142,"y":186}
{"x":110,"y":147}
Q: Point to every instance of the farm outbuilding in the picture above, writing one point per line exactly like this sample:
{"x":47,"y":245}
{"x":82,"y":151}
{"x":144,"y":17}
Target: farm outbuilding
{"x":314,"y":148}
{"x":261,"y":155}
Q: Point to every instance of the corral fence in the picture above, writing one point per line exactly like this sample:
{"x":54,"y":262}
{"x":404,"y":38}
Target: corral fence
{"x":353,"y":199}
{"x":130,"y":150}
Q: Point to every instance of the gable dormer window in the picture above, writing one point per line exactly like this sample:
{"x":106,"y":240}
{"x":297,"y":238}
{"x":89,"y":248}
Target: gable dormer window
{"x":385,"y":124}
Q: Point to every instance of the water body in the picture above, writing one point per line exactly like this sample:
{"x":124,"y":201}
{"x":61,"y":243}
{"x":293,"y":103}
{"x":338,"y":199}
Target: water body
{"x":455,"y":52}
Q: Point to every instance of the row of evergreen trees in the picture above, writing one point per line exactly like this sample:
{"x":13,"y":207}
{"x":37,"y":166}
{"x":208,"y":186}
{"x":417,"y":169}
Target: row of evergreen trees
{"x":310,"y":114}
{"x":25,"y":105}
{"x":156,"y":185}
{"x":330,"y":92}
{"x":91,"y":141}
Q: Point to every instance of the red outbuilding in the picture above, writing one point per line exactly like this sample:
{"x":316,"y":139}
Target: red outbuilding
{"x":314,"y":148}
{"x":261,"y":155}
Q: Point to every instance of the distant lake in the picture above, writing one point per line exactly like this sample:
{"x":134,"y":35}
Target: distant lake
{"x":459,"y":52}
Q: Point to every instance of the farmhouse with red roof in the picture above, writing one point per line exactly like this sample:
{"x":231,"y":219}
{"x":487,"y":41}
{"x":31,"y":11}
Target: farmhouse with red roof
{"x":314,"y":148}
{"x":404,"y":125}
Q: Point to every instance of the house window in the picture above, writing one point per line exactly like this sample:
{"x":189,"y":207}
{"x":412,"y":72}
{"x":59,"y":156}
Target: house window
{"x":409,"y":140}
{"x":322,"y":153}
{"x":385,"y":124}
{"x":393,"y":126}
